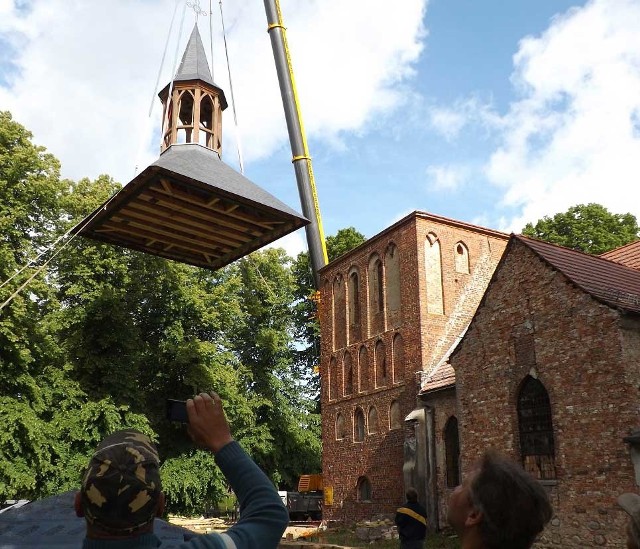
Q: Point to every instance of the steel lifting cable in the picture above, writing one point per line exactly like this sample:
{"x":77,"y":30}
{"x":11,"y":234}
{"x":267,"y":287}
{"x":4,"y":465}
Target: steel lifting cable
{"x":211,"y":36}
{"x":164,"y":54}
{"x":175,"y":65}
{"x":233,"y":99}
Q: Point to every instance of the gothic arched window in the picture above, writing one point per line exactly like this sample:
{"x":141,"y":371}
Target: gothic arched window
{"x":348,"y":374}
{"x":433,"y":269}
{"x":353,"y":290}
{"x":358,"y":425}
{"x":373,"y":421}
{"x":340,"y":427}
{"x":363,"y":369}
{"x":461,"y":254}
{"x":364,"y":489}
{"x":395,"y":418}
{"x":381,"y":364}
{"x":452,"y":452}
{"x":535,"y":425}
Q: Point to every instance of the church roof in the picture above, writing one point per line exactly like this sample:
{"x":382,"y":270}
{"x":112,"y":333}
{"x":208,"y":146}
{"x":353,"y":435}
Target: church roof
{"x":607,"y":281}
{"x":628,"y":255}
{"x":442,"y":377}
{"x":190,"y":206}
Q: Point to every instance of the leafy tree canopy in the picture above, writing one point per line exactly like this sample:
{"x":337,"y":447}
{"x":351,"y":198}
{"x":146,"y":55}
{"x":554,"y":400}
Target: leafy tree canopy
{"x":590,"y":228}
{"x":106,"y":335}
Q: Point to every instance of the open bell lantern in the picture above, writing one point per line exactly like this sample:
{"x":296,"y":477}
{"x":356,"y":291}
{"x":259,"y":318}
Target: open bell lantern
{"x":188,"y":205}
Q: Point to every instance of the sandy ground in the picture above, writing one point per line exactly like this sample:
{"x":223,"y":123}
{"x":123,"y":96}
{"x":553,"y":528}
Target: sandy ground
{"x":207,"y":525}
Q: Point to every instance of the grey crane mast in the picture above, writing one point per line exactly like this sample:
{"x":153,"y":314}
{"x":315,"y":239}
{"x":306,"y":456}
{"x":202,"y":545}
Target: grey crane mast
{"x":299,"y":148}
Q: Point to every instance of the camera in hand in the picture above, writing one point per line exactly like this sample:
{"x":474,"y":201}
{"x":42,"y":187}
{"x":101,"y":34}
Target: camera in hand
{"x":177,"y":411}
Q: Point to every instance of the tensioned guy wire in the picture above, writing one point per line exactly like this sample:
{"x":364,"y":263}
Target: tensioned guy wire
{"x":173,"y":72}
{"x":233,"y":99}
{"x":56,"y":252}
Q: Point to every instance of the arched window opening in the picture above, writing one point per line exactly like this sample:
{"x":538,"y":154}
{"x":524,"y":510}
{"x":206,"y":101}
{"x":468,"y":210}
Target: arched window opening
{"x":537,"y":446}
{"x":363,"y":369}
{"x":373,"y":421}
{"x":340,"y":427}
{"x":461,"y":254}
{"x":358,"y":425}
{"x":339,"y":312}
{"x":205,"y":134}
{"x":433,"y":269}
{"x":395,"y":417}
{"x":381,"y":364}
{"x":326,"y":291}
{"x":392,"y":276}
{"x":364,"y":489}
{"x":379,"y":285}
{"x":354,"y":307}
{"x":333,"y":379}
{"x":375,"y":299}
{"x":452,"y":452}
{"x":397,"y":364}
{"x":185,"y":117}
{"x":348,"y":374}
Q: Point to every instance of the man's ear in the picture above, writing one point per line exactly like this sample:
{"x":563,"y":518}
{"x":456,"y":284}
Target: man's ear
{"x":160,"y":506}
{"x":473,"y":518}
{"x":77,"y":505}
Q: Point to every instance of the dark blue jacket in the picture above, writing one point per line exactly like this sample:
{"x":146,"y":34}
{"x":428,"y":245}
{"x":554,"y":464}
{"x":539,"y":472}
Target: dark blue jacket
{"x":411,"y":520}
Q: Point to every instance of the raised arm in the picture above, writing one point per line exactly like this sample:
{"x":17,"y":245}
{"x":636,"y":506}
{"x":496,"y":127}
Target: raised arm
{"x":263,"y":517}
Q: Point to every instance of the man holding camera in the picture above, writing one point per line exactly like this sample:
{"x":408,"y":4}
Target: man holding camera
{"x":121,"y":492}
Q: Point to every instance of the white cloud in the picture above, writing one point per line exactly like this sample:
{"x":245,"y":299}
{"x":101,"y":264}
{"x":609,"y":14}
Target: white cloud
{"x":86,"y":71}
{"x":450,"y":121}
{"x":293,"y":243}
{"x":446,"y":177}
{"x":572,"y":136}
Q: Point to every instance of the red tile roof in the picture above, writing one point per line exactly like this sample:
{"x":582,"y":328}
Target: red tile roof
{"x":443,"y":376}
{"x":607,"y":281}
{"x":628,"y":255}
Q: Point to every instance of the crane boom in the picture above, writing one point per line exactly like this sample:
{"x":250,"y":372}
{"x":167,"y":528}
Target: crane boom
{"x":299,"y":148}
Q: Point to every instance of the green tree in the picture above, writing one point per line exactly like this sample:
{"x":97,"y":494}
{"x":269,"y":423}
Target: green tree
{"x":50,"y":424}
{"x":285,"y":439}
{"x":105,"y":335}
{"x":590,"y":228}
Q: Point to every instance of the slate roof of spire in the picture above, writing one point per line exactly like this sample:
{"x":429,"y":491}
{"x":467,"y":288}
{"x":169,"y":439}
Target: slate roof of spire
{"x":194,"y":65}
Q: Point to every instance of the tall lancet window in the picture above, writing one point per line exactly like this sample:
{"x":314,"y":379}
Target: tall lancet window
{"x":537,"y":445}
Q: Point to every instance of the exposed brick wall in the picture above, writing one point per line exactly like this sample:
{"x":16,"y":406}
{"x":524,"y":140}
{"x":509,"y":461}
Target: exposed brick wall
{"x":380,"y":456}
{"x":444,"y":406}
{"x":589,"y":366}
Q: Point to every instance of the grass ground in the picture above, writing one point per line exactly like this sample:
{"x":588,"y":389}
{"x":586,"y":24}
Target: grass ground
{"x":348,"y":538}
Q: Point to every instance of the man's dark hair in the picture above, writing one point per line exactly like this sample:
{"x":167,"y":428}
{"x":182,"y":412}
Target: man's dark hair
{"x":412,"y":495}
{"x":515,"y":506}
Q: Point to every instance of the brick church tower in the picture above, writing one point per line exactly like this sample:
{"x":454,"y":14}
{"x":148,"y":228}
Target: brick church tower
{"x":390,"y":312}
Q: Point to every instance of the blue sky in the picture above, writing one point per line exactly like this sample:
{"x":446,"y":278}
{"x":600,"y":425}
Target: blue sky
{"x":495,"y":113}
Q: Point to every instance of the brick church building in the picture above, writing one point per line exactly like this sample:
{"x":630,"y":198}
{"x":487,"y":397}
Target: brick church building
{"x":389,"y":311}
{"x":441,"y":339}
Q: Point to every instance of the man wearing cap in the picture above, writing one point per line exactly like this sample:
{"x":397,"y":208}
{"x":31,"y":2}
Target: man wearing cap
{"x":631,"y":504}
{"x":121,"y":492}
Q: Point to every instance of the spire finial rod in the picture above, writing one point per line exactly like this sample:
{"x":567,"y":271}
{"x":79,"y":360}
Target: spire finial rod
{"x":196,"y":7}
